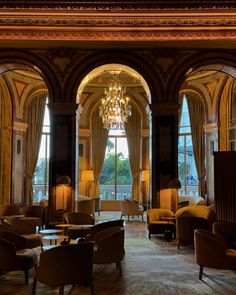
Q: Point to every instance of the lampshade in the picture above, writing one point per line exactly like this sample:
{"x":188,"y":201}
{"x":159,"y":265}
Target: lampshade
{"x":145,"y":175}
{"x":174,"y":183}
{"x":87,"y":175}
{"x":63,"y":180}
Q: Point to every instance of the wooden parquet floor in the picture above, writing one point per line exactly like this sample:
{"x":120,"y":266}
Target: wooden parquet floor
{"x":150,"y":267}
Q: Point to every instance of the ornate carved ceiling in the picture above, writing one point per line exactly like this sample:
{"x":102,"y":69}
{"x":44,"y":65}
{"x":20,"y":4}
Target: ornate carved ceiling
{"x":126,"y":21}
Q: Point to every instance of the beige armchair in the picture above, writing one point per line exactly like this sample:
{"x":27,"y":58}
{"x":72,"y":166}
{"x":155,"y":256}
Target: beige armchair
{"x":211,"y":251}
{"x":66,"y":265}
{"x":14,"y":255}
{"x":131,"y":207}
{"x":158,"y":222}
{"x":109,"y":246}
{"x":86,"y":206}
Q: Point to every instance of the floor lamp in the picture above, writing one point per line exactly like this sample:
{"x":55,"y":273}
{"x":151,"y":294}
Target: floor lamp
{"x":145,"y":187}
{"x":64,"y":182}
{"x":174,"y":185}
{"x":87,"y":175}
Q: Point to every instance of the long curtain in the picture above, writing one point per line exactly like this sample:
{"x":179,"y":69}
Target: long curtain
{"x":133,"y":133}
{"x":99,"y":137}
{"x":197,"y":120}
{"x":35,"y":118}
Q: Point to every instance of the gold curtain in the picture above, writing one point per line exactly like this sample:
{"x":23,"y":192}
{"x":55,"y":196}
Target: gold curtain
{"x":5,"y":143}
{"x":99,"y":137}
{"x":197,"y":120}
{"x":35,"y":116}
{"x":133,"y":133}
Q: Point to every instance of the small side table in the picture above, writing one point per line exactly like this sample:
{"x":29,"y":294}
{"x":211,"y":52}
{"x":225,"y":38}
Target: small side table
{"x":169,"y":227}
{"x":55,"y":238}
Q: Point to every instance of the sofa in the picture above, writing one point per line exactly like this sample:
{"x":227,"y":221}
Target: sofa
{"x":191,"y":200}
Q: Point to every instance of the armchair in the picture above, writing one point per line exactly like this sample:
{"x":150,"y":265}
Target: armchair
{"x":77,"y":218}
{"x":14,"y":255}
{"x":86,"y":206}
{"x":25,"y":229}
{"x":156,"y":224}
{"x":131,"y":207}
{"x":227,"y":231}
{"x":66,"y":265}
{"x":109,"y":246}
{"x":34,"y":214}
{"x":211,"y":251}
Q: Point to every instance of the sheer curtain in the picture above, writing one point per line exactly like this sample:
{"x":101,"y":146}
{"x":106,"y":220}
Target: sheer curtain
{"x":133,"y":133}
{"x":35,"y":118}
{"x":197,"y":120}
{"x":99,"y":137}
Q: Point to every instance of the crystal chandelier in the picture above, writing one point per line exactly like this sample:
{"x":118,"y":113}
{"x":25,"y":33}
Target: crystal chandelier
{"x":115,"y":108}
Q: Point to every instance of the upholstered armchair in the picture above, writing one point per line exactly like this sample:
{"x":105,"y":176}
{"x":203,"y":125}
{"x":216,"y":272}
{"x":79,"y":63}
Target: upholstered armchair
{"x":66,"y":265}
{"x":105,"y":225}
{"x":25,"y":229}
{"x":190,"y":218}
{"x":14,"y":254}
{"x":34,"y":214}
{"x":211,"y":251}
{"x":8,"y":210}
{"x":97,"y":205}
{"x":131,"y":207}
{"x":227,"y":231}
{"x":109,"y":246}
{"x":86,"y":206}
{"x":158,"y":222}
{"x":79,"y":219}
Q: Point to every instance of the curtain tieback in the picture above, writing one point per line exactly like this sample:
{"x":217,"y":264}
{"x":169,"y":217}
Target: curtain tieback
{"x":202,"y":177}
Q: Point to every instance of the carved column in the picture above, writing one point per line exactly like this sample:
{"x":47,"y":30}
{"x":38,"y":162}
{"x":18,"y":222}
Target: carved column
{"x":164,"y":148}
{"x":62,"y":153}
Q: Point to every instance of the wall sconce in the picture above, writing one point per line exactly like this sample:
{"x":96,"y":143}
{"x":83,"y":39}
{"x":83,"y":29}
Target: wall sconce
{"x":64,"y":182}
{"x":87,"y":175}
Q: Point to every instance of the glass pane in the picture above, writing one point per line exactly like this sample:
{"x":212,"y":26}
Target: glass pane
{"x":185,"y":120}
{"x":181,"y":163}
{"x":124,"y":179}
{"x":191,"y":171}
{"x":107,"y":177}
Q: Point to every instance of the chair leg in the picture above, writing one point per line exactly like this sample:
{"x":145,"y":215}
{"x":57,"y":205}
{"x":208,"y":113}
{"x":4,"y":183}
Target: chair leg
{"x":26,"y":276}
{"x":34,"y":286}
{"x":179,"y":244}
{"x":200,"y":272}
{"x":61,"y":290}
{"x":118,"y":265}
{"x":91,"y":288}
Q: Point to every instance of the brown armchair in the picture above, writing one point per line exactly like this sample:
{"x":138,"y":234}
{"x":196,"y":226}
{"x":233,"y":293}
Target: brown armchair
{"x":25,"y":229}
{"x":34,"y":214}
{"x":66,"y":265}
{"x":109,"y":246}
{"x":14,"y":255}
{"x":211,"y":251}
{"x":79,"y":219}
{"x":8,"y":210}
{"x":131,"y":207}
{"x":227,"y":231}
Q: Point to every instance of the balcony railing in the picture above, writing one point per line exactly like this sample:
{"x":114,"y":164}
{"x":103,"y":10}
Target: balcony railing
{"x":107,"y":192}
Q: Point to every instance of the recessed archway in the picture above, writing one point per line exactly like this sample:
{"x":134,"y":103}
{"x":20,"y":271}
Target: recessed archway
{"x":90,"y":92}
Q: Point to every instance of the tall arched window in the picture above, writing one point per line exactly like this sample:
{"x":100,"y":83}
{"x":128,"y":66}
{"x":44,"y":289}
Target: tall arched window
{"x":187,"y":171}
{"x":115,"y":182}
{"x":41,"y":175}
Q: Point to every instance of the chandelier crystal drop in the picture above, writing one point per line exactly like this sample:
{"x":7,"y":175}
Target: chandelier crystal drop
{"x":115,"y":108}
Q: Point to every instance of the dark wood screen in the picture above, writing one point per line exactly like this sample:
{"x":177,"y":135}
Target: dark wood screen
{"x":225,"y":185}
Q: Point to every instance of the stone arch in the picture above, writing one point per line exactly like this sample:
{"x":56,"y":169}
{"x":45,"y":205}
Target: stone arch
{"x":84,"y":66}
